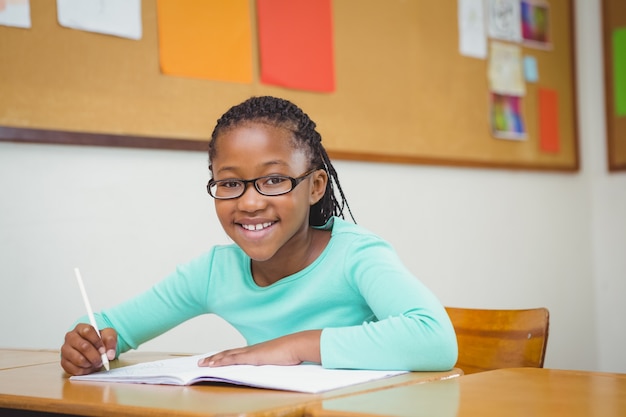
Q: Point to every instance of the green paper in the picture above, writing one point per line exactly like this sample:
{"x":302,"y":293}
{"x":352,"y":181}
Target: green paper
{"x":619,"y":70}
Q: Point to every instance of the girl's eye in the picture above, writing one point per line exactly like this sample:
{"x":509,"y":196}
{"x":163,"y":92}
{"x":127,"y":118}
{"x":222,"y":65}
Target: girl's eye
{"x":228,"y":184}
{"x":274,"y":181}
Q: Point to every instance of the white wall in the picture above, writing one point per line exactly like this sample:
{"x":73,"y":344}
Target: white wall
{"x":607,"y":195}
{"x":478,"y":238}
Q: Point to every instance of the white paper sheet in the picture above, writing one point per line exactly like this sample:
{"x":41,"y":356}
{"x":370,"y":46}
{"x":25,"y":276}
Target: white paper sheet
{"x":111,"y":17}
{"x":15,"y":13}
{"x":472,"y":32}
{"x":504,"y":20}
{"x":185,"y":371}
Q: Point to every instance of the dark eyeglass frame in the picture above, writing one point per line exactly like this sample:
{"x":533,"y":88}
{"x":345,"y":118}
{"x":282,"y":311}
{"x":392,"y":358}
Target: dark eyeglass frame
{"x":294,"y":183}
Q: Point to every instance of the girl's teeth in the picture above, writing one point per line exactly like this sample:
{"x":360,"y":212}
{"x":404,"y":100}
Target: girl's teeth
{"x":256,"y":226}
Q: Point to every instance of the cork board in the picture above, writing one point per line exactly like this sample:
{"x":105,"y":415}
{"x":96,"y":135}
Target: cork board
{"x":614,"y":19}
{"x":404,"y":92}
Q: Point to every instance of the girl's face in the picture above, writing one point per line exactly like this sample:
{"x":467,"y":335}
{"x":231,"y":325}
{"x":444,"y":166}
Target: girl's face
{"x":267,"y":228}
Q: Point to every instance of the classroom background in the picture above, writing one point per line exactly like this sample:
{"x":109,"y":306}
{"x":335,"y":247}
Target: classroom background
{"x":488,"y":238}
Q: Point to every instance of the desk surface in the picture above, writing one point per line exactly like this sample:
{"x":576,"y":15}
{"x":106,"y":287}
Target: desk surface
{"x":45,"y":388}
{"x":516,"y":392}
{"x":15,"y":358}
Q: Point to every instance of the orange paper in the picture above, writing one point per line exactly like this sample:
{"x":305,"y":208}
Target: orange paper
{"x":296,"y":44}
{"x":208,"y":39}
{"x":549,"y":120}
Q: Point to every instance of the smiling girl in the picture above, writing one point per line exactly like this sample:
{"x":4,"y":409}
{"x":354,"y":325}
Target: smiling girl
{"x":300,"y":283}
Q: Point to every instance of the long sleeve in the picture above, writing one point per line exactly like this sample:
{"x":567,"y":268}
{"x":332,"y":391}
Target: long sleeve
{"x":411,"y":329}
{"x":177,"y":298}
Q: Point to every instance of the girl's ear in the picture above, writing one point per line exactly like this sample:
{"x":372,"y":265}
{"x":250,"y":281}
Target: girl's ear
{"x":318,"y":186}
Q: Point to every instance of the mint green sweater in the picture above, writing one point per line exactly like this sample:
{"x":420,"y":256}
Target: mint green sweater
{"x":374,"y":314}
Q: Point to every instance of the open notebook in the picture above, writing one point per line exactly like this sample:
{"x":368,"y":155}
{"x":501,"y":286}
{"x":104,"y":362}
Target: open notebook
{"x":185,"y":371}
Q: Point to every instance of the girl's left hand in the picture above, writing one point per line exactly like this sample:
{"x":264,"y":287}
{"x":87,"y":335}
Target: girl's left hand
{"x":292,"y":349}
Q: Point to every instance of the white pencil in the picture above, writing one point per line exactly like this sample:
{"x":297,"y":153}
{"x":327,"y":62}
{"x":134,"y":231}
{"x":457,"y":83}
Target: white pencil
{"x":92,"y":319}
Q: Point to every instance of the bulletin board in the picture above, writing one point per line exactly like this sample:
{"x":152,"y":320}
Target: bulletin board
{"x":614,"y":33}
{"x":404,"y":93}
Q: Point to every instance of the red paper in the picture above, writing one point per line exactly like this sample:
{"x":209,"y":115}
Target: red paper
{"x":296,"y":44}
{"x":549,"y":140}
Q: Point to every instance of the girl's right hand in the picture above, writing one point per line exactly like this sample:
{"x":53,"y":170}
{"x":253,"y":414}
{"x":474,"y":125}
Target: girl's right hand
{"x":82,"y":350}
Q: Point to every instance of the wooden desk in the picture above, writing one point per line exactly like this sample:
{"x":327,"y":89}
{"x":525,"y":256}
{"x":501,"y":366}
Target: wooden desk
{"x":516,"y":392}
{"x":15,"y":358}
{"x":44,"y":388}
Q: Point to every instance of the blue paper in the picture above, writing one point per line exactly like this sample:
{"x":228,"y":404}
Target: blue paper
{"x":531,"y":74}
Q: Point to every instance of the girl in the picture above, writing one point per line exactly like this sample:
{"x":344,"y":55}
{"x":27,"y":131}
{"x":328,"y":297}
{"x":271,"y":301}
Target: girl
{"x":300,"y":283}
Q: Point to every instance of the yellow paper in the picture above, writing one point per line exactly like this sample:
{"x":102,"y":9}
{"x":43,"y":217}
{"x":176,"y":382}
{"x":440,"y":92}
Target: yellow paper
{"x":505,"y":69}
{"x":209,"y":39}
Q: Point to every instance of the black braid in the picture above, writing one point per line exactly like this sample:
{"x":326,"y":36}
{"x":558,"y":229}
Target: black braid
{"x":283,"y":113}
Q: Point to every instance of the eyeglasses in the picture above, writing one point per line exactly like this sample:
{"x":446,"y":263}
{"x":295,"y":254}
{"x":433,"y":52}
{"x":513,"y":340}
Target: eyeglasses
{"x":271,"y":185}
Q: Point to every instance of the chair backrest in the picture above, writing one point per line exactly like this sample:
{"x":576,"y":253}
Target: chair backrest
{"x":493,"y":339}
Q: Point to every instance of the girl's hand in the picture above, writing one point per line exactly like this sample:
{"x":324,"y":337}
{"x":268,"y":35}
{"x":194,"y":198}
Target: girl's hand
{"x":82,"y":350}
{"x":292,"y":349}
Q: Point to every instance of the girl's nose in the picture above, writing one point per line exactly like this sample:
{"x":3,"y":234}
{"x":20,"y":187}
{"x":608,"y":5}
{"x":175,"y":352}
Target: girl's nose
{"x":251,"y":199}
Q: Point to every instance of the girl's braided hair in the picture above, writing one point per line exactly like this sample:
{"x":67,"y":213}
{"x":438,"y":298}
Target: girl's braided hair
{"x":282,"y":113}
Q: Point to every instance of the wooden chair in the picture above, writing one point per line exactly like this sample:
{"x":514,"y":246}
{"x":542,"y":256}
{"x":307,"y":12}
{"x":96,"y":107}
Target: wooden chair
{"x":492,"y":339}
